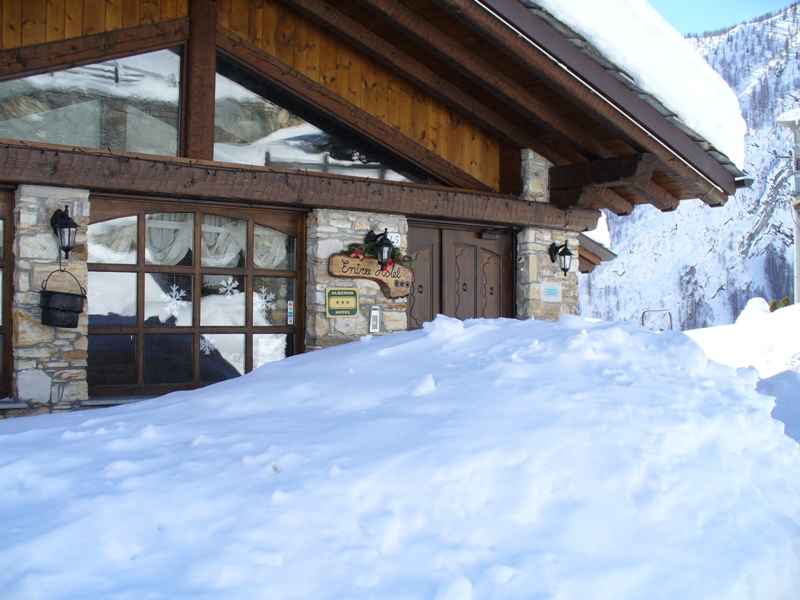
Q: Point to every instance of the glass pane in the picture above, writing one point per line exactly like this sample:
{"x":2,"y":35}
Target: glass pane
{"x":112,"y":360}
{"x":273,"y":249}
{"x":271,"y":297}
{"x":224,"y":242}
{"x":2,"y":239}
{"x":222,"y":301}
{"x":269,"y":347}
{"x":114,"y":241}
{"x":252,"y":130}
{"x":126,"y":104}
{"x":169,"y":239}
{"x":112,"y":298}
{"x":221,"y":356}
{"x":168,"y":358}
{"x":167,"y":300}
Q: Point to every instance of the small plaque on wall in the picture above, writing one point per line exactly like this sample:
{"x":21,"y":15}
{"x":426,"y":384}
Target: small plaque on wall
{"x":341,"y":302}
{"x":551,"y":292}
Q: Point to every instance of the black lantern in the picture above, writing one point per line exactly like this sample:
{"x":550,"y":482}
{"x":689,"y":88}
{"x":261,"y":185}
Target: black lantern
{"x":65,"y":230}
{"x":383,"y":246}
{"x":562,"y":254}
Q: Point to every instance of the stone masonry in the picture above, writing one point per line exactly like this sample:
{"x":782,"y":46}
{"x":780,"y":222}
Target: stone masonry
{"x":49,"y":363}
{"x":332,"y":231}
{"x":534,"y":268}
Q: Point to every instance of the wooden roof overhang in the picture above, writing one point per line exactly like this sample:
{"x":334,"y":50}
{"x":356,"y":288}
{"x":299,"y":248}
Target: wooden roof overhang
{"x":527,"y":81}
{"x":521,"y":76}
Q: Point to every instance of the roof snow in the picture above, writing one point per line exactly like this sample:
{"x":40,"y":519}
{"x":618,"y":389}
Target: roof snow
{"x":639,"y":41}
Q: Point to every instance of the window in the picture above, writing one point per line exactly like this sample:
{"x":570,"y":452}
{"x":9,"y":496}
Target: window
{"x":128,"y":104}
{"x":255,"y":124}
{"x":183,"y":298}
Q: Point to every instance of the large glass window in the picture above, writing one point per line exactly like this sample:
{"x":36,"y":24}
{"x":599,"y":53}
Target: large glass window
{"x":255,"y":124}
{"x":128,"y":104}
{"x":164,"y":315}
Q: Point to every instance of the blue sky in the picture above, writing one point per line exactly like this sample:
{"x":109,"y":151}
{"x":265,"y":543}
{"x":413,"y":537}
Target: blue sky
{"x":696,"y":16}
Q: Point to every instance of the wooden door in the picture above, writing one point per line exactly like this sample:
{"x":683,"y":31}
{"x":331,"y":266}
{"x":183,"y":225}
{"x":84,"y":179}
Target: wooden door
{"x":460,"y":273}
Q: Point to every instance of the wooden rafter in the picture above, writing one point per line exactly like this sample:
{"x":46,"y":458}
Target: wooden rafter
{"x":33,"y":60}
{"x":123,"y":172}
{"x":635,"y":168}
{"x":484,"y":74}
{"x":422,"y":76}
{"x":585,"y":82}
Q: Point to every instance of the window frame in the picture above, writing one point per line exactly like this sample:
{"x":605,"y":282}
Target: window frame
{"x":289,"y":222}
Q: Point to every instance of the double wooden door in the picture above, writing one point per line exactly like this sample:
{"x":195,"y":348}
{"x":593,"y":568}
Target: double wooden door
{"x":460,"y":273}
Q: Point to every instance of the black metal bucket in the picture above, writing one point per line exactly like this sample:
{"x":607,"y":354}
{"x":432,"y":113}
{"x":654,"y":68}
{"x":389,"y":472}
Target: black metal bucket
{"x":61,"y":309}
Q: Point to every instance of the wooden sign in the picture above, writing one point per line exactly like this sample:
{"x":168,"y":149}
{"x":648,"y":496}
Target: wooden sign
{"x":395,"y":281}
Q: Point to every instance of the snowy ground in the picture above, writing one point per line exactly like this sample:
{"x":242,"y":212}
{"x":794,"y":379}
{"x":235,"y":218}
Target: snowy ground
{"x":486,"y":459}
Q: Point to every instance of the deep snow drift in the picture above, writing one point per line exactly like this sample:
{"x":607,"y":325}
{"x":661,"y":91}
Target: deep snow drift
{"x":485,"y":459}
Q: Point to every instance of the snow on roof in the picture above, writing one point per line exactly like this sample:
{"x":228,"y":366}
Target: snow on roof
{"x":638,"y":40}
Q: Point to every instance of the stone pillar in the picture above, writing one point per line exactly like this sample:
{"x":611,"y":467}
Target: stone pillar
{"x":49,"y":363}
{"x":535,"y":180}
{"x":542,"y":290}
{"x":332,"y":231}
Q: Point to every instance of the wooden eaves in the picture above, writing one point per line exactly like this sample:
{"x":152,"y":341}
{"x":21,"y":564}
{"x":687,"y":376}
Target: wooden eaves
{"x":519,"y":67}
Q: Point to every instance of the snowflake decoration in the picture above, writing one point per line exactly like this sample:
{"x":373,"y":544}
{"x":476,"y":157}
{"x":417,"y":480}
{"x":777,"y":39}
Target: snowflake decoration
{"x":174,"y":302}
{"x":229,"y":287}
{"x":207,"y":346}
{"x":264,"y":302}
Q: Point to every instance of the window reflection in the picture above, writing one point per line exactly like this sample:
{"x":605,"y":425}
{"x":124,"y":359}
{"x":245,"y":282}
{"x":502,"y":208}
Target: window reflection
{"x":113,"y":241}
{"x":221,"y":356}
{"x":128,"y":104}
{"x":112,"y":298}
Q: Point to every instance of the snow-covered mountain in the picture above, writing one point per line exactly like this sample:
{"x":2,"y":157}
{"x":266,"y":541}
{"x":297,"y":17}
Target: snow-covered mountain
{"x":699,"y":263}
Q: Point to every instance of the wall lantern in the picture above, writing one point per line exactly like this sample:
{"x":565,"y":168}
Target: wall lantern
{"x":564,"y":257}
{"x":383,"y":246}
{"x":65,"y":230}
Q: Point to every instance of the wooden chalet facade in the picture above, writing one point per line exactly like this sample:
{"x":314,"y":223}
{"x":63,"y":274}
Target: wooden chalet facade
{"x":216,"y":153}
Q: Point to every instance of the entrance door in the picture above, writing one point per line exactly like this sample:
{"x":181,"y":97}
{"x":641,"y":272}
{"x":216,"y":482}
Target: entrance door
{"x":460,"y":273}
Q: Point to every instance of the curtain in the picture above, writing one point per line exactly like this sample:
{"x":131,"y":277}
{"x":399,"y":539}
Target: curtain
{"x":113,"y":241}
{"x":168,"y":238}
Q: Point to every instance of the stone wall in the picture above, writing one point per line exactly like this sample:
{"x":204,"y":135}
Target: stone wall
{"x":329,"y":232}
{"x":49,"y":363}
{"x":539,"y":279}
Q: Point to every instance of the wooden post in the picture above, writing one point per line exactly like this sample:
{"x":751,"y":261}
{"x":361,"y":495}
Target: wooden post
{"x":200,"y":70}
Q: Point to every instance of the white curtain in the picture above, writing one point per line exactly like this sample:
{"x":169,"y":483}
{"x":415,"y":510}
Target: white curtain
{"x":270,"y":248}
{"x":168,"y":238}
{"x":113,"y":241}
{"x":223,"y":239}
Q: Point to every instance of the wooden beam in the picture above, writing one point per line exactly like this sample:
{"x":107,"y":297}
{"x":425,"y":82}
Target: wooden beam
{"x":422,"y":76}
{"x":340,"y":111}
{"x":608,"y":199}
{"x":549,"y":55}
{"x":123,"y":172}
{"x":656,"y":195}
{"x":487,"y":76}
{"x":635,"y":168}
{"x":50,"y":56}
{"x":201,"y":69}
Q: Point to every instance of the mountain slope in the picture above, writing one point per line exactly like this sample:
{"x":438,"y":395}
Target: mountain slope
{"x":702,"y":264}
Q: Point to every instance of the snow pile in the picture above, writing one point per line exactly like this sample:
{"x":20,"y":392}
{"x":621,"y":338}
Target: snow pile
{"x":634,"y":36}
{"x":766,"y":341}
{"x":484,"y":459}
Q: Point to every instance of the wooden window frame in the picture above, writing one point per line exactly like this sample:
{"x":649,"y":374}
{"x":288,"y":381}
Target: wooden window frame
{"x":288,"y":222}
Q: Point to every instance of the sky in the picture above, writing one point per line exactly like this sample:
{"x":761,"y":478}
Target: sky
{"x":697,"y":16}
{"x":492,"y":459}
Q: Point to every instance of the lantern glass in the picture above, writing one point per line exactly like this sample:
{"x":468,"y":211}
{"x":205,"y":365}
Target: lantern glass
{"x":565,"y":259}
{"x":65,"y":229}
